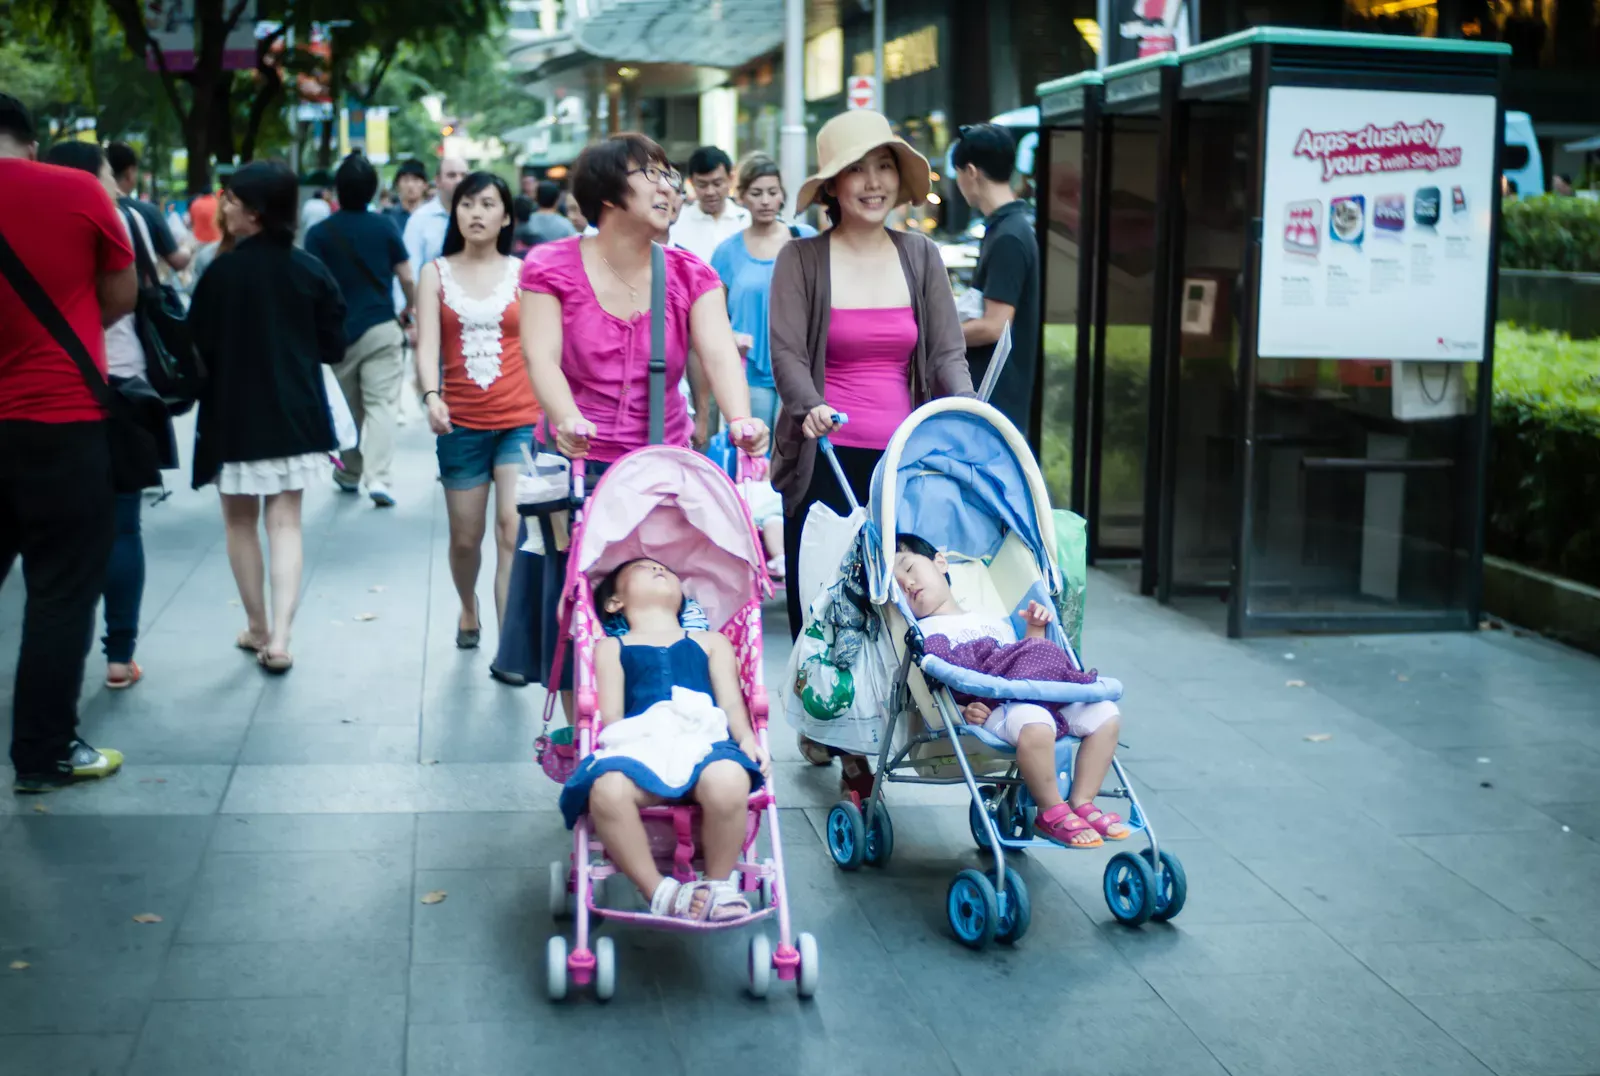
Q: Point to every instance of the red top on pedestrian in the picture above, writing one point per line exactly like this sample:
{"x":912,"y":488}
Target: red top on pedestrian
{"x":62,"y":225}
{"x":486,"y":382}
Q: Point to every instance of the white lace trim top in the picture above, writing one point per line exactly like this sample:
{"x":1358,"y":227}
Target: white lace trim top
{"x":480,"y":320}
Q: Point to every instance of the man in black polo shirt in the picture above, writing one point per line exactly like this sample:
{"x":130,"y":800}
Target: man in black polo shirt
{"x":125,"y":170}
{"x":1008,"y":268}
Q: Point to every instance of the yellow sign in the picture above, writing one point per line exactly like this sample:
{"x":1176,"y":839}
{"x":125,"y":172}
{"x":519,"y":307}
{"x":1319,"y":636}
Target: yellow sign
{"x":903,"y":57}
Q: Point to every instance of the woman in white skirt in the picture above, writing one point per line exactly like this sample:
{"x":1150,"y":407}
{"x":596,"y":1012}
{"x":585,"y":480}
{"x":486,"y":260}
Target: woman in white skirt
{"x":265,"y":316}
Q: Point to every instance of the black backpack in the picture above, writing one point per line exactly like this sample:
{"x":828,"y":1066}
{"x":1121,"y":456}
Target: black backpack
{"x":172,"y":366}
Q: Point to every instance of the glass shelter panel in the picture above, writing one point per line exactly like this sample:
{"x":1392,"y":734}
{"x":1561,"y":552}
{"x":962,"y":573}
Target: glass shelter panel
{"x":1130,"y":268}
{"x":1063,"y":197}
{"x":1216,"y":162}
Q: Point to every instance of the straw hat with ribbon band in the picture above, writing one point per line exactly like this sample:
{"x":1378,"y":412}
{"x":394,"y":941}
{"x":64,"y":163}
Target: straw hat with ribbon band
{"x":849,"y":137}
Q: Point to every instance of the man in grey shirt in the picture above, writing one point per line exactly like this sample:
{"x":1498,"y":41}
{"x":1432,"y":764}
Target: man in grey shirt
{"x":546,"y":224}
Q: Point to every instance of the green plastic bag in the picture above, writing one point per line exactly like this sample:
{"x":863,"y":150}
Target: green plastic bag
{"x":826,"y":691}
{"x":1072,"y":557}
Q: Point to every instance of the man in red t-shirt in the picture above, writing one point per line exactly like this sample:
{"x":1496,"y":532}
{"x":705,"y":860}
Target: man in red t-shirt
{"x":56,"y":503}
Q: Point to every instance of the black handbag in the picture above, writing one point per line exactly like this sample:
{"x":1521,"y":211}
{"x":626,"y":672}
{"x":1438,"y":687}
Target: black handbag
{"x":172,"y":365}
{"x":137,"y":424}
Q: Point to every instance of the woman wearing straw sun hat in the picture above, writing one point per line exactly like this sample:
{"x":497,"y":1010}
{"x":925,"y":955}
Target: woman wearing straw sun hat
{"x":862,"y":323}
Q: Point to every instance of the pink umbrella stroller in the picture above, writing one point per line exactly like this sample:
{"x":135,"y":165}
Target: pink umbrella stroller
{"x":679,"y":508}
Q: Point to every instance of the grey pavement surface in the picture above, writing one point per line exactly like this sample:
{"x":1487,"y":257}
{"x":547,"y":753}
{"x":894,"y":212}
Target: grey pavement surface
{"x":1392,"y":844}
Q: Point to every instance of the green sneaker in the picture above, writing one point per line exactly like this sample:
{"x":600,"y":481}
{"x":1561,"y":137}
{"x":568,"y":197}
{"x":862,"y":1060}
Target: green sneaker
{"x":84,"y":763}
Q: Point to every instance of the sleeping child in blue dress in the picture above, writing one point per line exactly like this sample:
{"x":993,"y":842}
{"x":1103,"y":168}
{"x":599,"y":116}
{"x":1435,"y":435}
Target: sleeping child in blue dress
{"x":675,"y":730}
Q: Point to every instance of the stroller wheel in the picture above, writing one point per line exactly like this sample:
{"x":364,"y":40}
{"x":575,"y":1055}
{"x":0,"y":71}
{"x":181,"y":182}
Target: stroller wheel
{"x":560,"y":896}
{"x":769,"y":887}
{"x":555,"y":968}
{"x":1130,"y":887}
{"x":1171,"y":888}
{"x":760,"y":965}
{"x":1018,"y":913}
{"x":880,"y":838}
{"x":971,"y":906}
{"x":975,"y":813}
{"x":847,"y":835}
{"x":605,"y":968}
{"x":810,"y":970}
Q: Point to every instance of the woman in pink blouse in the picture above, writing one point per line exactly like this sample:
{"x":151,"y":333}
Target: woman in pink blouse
{"x":586,"y":326}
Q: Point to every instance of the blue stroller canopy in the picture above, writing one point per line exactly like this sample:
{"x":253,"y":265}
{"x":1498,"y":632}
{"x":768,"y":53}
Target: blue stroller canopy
{"x":960,"y":484}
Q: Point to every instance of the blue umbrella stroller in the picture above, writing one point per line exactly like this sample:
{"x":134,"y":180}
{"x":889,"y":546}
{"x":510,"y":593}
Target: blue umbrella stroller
{"x":960,"y":475}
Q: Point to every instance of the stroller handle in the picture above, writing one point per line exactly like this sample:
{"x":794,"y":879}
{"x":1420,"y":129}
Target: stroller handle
{"x":749,"y":468}
{"x":826,"y":447}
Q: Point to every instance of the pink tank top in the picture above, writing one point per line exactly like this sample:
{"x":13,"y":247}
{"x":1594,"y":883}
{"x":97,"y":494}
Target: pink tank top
{"x":868,"y":374}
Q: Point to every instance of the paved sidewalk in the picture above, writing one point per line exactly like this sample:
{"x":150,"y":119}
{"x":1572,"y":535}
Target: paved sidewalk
{"x":1391,"y":845}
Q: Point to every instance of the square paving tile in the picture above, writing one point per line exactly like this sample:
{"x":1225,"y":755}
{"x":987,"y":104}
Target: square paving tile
{"x":1478,"y":967}
{"x":503,"y":840}
{"x":1523,"y":1034}
{"x":1530,"y":873}
{"x":66,"y":1055}
{"x":327,"y":968}
{"x":393,"y":833}
{"x":300,"y":896}
{"x":1314,"y":1023}
{"x":325,"y":1036}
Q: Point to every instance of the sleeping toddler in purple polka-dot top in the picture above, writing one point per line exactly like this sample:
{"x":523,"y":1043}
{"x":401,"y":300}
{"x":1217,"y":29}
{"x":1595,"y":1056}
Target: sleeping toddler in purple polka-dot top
{"x":920,"y":570}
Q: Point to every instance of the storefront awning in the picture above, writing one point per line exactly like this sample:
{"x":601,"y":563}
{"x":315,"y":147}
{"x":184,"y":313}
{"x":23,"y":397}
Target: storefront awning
{"x":1584,"y":145}
{"x":704,"y":33}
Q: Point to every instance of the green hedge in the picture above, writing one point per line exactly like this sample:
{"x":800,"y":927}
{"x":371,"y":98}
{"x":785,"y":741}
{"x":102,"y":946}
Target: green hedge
{"x":1544,"y":471}
{"x":1551,"y":233}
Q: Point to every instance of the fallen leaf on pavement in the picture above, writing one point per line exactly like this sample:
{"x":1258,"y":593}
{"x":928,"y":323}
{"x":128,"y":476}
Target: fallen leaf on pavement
{"x":39,"y":808}
{"x":233,"y":601}
{"x":20,"y":965}
{"x":436,"y":897}
{"x":147,"y":917}
{"x":1319,"y":737}
{"x":366,"y":616}
{"x":1294,"y":683}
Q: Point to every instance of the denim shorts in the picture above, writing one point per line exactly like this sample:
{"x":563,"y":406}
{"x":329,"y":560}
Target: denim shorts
{"x":467,"y":458}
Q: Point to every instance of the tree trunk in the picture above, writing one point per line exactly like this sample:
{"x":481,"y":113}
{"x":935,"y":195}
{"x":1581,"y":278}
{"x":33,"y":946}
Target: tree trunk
{"x":268,"y":91}
{"x":222,"y":118}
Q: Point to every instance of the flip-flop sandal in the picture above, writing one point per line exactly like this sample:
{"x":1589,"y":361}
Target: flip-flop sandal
{"x":1062,"y":825}
{"x":813,"y":752}
{"x":277,"y":664}
{"x":1103,"y":822}
{"x":135,"y":674}
{"x":248,"y":642}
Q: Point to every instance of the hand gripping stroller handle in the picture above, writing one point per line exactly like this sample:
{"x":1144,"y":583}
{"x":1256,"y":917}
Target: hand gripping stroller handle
{"x":749,"y":468}
{"x":826,"y":448}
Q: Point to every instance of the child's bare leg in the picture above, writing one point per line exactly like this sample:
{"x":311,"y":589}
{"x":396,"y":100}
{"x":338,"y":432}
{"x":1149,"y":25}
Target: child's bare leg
{"x":1094,"y":762}
{"x":614,"y":803}
{"x":1036,"y":759}
{"x":772,"y":536}
{"x":722,"y":792}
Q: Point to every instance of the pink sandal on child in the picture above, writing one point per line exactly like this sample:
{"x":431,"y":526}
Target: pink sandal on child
{"x":1108,"y":825}
{"x":1062,"y":825}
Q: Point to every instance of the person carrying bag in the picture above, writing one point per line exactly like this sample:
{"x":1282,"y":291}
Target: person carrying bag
{"x":137,"y":423}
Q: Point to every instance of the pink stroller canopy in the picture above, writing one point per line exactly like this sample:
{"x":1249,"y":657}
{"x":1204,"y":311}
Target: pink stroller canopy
{"x":677,"y":507}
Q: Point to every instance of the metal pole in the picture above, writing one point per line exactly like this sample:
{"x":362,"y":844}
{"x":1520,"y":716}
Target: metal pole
{"x":878,"y":96}
{"x":792,"y":147}
{"x":293,"y":94}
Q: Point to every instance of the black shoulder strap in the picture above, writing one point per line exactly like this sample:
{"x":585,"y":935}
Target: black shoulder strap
{"x":148,"y":276}
{"x":33,"y":296}
{"x":658,"y":341}
{"x":794,"y":231}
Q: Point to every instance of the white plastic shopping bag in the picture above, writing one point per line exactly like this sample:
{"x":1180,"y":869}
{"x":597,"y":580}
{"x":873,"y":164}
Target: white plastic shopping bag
{"x":344,"y":423}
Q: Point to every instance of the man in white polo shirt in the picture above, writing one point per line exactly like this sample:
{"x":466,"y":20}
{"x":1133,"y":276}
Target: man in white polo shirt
{"x":713,"y":216}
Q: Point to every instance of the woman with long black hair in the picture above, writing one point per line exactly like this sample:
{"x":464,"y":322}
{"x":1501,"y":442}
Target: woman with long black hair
{"x":475,"y":385}
{"x":265,"y":316}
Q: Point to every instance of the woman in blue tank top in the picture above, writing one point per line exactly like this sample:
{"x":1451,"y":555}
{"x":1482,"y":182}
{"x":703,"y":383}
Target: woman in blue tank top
{"x":637,"y":674}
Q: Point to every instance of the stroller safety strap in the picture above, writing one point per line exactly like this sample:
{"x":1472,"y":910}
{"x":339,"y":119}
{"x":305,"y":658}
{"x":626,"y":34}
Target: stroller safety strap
{"x":984,"y":686}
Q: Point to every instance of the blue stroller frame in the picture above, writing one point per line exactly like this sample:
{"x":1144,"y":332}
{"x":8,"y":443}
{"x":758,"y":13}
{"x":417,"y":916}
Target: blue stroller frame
{"x":959,"y":475}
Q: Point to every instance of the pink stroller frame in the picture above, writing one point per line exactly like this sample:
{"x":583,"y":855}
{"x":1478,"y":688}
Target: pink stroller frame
{"x":680,"y":508}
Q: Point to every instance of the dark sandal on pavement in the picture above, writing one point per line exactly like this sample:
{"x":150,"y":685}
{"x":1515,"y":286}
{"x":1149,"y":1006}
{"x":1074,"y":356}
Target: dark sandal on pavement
{"x":468,"y":638}
{"x":135,"y":674}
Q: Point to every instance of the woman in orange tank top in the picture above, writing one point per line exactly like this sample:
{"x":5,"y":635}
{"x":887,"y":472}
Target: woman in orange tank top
{"x":475,"y":385}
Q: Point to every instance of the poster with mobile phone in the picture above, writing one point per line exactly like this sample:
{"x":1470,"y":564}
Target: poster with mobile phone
{"x":1376,"y":235}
